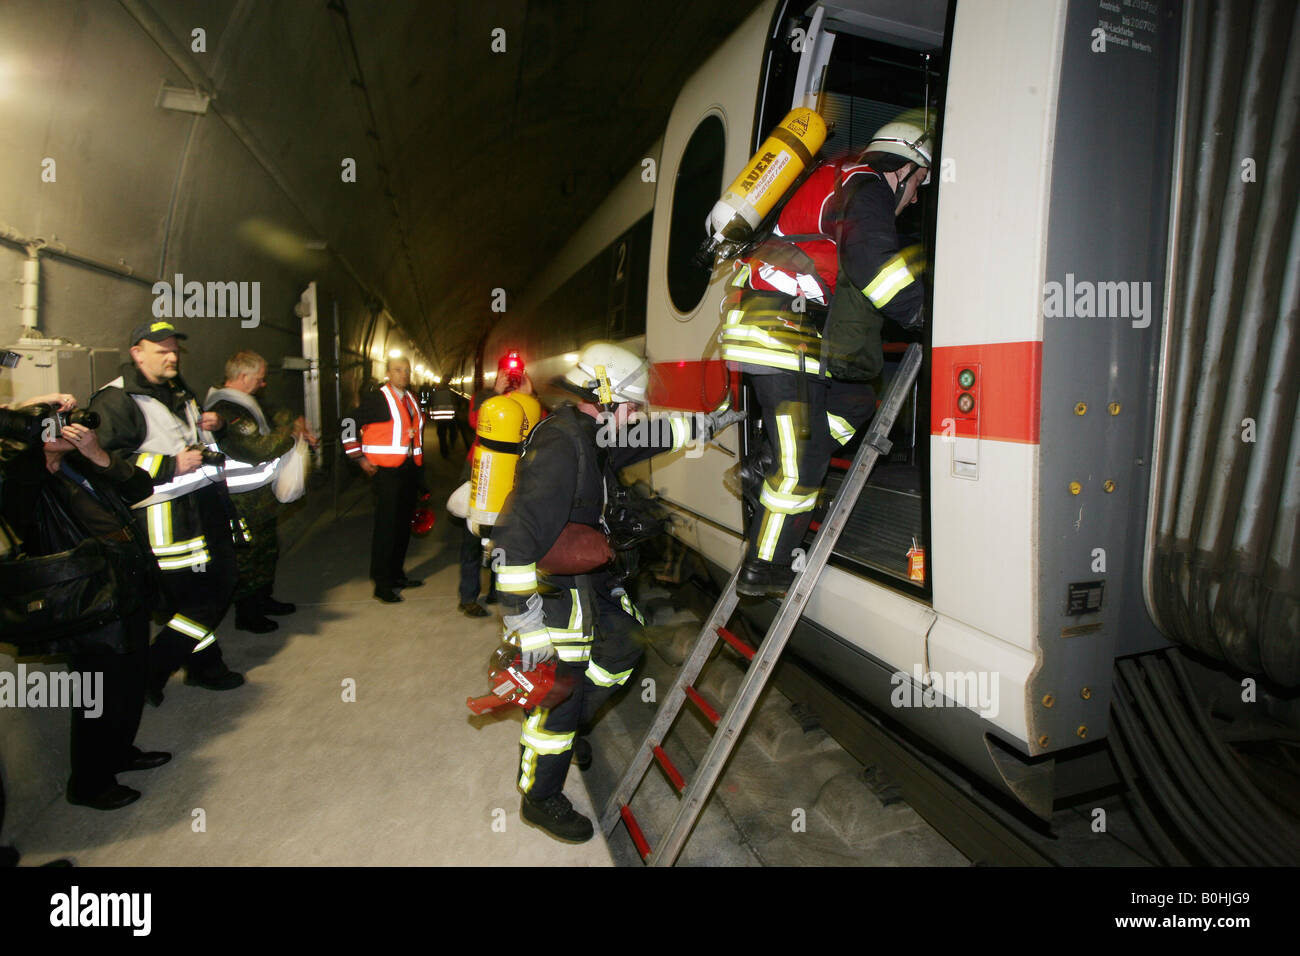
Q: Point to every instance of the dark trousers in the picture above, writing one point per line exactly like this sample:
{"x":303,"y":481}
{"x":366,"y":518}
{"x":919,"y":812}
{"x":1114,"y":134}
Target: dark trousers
{"x":395,"y":491}
{"x":102,"y":745}
{"x":834,"y":411}
{"x":447,"y":432}
{"x":615,"y":639}
{"x":197,"y":600}
{"x":471,"y":566}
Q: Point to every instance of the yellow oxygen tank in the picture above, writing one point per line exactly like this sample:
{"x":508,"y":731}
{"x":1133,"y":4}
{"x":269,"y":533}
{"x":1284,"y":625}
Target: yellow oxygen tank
{"x":500,"y":431}
{"x":786,"y":153}
{"x":532,"y":410}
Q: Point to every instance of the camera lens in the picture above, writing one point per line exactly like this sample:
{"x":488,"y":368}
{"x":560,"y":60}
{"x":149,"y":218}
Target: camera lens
{"x":82,"y":416}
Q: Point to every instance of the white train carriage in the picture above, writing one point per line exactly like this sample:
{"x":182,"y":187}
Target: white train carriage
{"x":1024,"y":466}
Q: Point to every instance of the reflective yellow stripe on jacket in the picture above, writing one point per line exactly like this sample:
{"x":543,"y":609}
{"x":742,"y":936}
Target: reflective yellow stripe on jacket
{"x":767,"y":337}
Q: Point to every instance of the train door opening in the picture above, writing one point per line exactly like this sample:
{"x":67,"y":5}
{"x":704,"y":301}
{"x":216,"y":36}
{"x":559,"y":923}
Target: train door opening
{"x":862,"y":82}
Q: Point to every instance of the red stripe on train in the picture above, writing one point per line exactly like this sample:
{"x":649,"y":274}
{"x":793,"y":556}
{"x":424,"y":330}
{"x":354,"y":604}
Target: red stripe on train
{"x":696,"y":386}
{"x":1006,"y":391}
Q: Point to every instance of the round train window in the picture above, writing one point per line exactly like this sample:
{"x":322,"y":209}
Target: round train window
{"x":698,"y":185}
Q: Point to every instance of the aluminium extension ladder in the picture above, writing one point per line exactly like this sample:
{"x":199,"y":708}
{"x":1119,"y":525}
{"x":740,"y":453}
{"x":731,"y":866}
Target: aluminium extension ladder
{"x":762,"y":660}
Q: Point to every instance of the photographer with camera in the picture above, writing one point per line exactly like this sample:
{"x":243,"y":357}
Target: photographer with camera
{"x":66,"y":498}
{"x":152,"y":418}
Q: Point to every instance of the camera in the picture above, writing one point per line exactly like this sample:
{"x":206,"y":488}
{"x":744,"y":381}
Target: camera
{"x":512,"y":367}
{"x":210,"y":457}
{"x":35,"y":424}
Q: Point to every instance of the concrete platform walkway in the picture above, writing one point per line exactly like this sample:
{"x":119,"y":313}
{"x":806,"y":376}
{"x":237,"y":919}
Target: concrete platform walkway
{"x":285,"y":771}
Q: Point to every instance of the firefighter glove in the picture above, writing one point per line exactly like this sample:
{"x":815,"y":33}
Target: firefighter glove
{"x":528,"y":628}
{"x":716,"y":421}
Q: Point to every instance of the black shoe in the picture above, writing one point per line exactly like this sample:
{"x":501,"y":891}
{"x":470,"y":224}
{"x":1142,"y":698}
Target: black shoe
{"x":472,"y":609}
{"x":256,"y":625}
{"x":114,"y":798}
{"x":490,"y":599}
{"x":271,"y":606}
{"x":581,"y":754}
{"x":145,"y":760}
{"x":388,"y":595}
{"x":409,"y":583}
{"x":557,"y":817}
{"x":218,"y":680}
{"x":764,"y":579}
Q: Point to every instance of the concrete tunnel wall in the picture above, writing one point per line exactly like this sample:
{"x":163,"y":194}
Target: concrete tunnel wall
{"x":163,"y":192}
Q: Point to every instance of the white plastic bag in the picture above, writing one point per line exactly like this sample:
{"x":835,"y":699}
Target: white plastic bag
{"x":458,"y":503}
{"x":290,"y":480}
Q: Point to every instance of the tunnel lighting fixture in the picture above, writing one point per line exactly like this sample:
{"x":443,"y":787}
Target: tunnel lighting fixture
{"x":570,"y":356}
{"x":394,"y":353}
{"x":182,"y":99}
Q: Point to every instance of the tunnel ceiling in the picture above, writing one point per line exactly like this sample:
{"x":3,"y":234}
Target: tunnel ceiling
{"x":473,"y":166}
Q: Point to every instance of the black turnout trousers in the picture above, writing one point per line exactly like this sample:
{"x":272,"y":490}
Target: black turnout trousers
{"x":834,"y":411}
{"x":599,"y":643}
{"x":196,"y":601}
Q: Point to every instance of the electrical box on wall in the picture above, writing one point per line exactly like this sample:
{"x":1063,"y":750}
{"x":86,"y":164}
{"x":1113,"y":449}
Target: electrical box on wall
{"x":46,"y":368}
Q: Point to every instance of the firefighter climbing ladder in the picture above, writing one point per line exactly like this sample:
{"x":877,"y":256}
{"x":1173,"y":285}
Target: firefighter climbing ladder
{"x":762,"y":660}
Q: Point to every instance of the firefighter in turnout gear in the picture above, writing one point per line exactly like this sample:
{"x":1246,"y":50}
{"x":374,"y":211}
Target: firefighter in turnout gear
{"x":253,"y":441}
{"x":556,"y":606}
{"x":386,"y":438}
{"x":149,"y":416}
{"x":835,"y":236}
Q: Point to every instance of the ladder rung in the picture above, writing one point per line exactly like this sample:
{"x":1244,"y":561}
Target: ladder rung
{"x":678,"y":781}
{"x":703,"y":704}
{"x":741,"y":647}
{"x":634,"y":831}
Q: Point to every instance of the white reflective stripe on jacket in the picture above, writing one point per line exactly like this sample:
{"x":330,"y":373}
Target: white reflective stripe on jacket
{"x":242,"y":476}
{"x":166,"y":434}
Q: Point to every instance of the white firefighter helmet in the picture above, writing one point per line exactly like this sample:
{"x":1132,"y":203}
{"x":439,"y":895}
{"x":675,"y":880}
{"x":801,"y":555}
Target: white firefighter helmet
{"x":610,"y":373}
{"x":906,"y":136}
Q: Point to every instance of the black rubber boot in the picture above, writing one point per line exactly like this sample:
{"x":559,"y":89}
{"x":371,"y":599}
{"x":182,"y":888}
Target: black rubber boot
{"x":556,"y":816}
{"x":249,"y":617}
{"x":168,"y":653}
{"x":207,"y":669}
{"x":269,"y":605}
{"x":581,"y":754}
{"x":764,"y":579}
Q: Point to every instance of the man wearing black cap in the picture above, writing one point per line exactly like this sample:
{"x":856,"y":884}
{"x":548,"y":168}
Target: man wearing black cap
{"x":150,"y":415}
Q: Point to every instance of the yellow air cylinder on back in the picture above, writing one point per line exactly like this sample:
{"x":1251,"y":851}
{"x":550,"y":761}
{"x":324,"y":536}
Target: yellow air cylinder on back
{"x":786,"y":153}
{"x":532,"y":410}
{"x":492,"y":473}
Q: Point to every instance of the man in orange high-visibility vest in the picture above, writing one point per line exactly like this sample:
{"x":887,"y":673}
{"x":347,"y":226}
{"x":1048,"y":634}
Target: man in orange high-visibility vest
{"x":386,"y":439}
